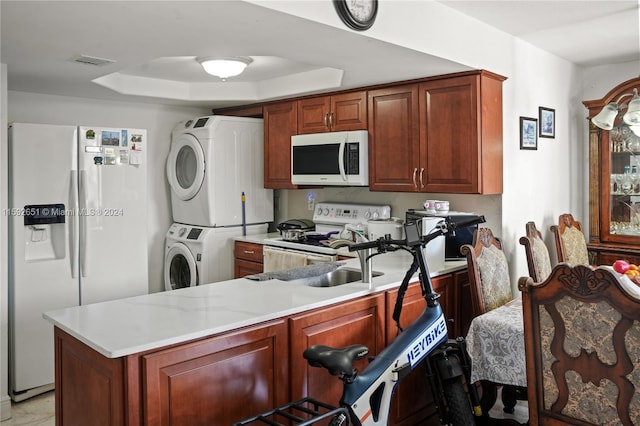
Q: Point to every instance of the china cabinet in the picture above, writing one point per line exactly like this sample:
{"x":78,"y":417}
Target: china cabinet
{"x":614,"y":184}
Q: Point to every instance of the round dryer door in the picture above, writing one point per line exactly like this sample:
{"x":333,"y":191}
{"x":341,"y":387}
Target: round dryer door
{"x":185,"y":166}
{"x":179,"y":268}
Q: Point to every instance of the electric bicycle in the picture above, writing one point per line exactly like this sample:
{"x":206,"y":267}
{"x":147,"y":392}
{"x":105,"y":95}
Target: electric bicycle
{"x":366,"y":397}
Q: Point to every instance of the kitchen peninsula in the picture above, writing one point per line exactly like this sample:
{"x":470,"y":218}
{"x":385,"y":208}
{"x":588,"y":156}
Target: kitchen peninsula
{"x":215,"y":353}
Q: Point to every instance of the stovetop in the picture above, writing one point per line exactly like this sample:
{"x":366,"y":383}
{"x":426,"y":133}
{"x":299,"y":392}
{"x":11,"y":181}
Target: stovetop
{"x":328,"y":217}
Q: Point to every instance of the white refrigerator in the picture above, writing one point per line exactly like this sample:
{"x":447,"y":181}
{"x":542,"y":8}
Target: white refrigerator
{"x":77,"y":233}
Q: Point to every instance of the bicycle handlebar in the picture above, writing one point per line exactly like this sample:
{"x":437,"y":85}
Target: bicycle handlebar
{"x":385,"y":243}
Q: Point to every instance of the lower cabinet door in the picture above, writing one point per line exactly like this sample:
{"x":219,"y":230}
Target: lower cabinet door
{"x":412,"y":403}
{"x":219,"y":380}
{"x":359,"y":321}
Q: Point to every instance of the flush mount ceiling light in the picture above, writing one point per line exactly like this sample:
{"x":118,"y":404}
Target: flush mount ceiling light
{"x":606,"y":118}
{"x":224,"y":67}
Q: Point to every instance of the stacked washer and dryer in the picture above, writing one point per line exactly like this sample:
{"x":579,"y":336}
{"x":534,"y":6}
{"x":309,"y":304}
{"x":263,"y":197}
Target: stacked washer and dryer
{"x":212,"y":162}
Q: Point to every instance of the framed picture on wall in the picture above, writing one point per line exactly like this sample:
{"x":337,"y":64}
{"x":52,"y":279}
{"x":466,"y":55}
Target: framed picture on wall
{"x":528,"y":133}
{"x":547,"y":118}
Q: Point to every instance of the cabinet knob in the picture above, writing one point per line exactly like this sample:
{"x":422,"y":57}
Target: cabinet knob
{"x":326,"y":120}
{"x":415,"y":171}
{"x":331,"y":120}
{"x":421,"y":173}
{"x":249,"y":252}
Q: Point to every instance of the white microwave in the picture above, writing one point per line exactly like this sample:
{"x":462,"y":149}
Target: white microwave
{"x":334,"y":158}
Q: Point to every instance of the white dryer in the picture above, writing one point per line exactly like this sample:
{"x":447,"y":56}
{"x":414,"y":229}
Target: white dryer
{"x":212,"y":161}
{"x":196,"y":255}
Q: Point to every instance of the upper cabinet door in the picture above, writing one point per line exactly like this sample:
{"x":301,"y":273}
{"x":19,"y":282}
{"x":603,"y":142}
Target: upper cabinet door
{"x":449,"y":138}
{"x":394,"y":139}
{"x":280,"y":123}
{"x":461,"y":134}
{"x":346,"y":111}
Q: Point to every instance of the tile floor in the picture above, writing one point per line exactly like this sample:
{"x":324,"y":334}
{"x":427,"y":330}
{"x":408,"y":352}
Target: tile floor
{"x":39,"y":411}
{"x":520,"y":414}
{"x":36,"y":411}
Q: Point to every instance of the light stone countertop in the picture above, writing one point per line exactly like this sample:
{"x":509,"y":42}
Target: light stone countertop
{"x":126,"y":326}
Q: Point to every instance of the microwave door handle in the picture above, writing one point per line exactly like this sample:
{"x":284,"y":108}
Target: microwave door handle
{"x":343,"y":146}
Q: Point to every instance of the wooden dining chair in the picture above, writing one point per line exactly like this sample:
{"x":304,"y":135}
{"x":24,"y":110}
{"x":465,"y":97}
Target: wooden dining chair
{"x":535,"y":249}
{"x":582,"y":340}
{"x":571,"y":246}
{"x":488,"y":272}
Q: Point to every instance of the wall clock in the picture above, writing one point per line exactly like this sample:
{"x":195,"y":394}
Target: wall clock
{"x":357,"y":14}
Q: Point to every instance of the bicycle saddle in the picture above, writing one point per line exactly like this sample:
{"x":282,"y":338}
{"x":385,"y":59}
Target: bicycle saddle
{"x":339,"y":361}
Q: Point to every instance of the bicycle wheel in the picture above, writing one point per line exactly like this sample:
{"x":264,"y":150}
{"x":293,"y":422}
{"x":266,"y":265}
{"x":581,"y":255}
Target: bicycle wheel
{"x":458,"y":404}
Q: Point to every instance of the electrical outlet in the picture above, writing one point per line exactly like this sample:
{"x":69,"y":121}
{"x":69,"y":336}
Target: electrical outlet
{"x":311,"y":201}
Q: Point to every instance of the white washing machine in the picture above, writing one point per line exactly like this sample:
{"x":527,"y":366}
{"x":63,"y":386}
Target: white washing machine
{"x":196,"y":255}
{"x":212,"y":161}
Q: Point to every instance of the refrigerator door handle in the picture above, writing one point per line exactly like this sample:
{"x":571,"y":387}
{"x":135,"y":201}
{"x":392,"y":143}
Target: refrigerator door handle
{"x":83,"y":223}
{"x":73,"y":223}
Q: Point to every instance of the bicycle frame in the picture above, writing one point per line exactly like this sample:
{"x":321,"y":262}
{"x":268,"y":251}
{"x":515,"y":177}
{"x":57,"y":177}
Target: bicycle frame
{"x":368,"y":397}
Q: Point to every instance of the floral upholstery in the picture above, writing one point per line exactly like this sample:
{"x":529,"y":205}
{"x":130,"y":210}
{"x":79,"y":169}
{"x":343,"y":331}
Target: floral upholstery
{"x":575,"y":247}
{"x":494,"y":277}
{"x":589,"y":347}
{"x":541,"y":260}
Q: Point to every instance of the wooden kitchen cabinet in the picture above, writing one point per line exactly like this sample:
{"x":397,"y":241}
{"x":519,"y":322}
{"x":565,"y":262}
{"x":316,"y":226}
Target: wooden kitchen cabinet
{"x":280,"y":123}
{"x":461,"y":134}
{"x":90,"y":389}
{"x":248,"y":259}
{"x":463,"y":313}
{"x":394,"y":138}
{"x":213,"y":381}
{"x":443,"y":134}
{"x":253,"y":111}
{"x":345,"y":111}
{"x":359,"y":321}
{"x":614,"y":198}
{"x":210,"y":381}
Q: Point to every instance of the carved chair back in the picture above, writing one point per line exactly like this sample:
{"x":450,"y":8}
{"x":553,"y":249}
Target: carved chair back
{"x":488,"y":272}
{"x":571,"y":246}
{"x":582,"y":339}
{"x":535,"y":249}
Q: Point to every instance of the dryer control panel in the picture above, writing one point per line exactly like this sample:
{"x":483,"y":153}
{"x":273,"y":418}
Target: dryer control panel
{"x":186,"y":232}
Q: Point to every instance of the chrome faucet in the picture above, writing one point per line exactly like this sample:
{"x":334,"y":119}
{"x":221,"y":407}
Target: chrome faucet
{"x":363,"y":255}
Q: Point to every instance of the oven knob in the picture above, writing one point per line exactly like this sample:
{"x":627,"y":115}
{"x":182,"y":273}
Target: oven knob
{"x":367,"y":215}
{"x":319,"y":211}
{"x":182,"y":231}
{"x":376,"y":214}
{"x":326,"y":211}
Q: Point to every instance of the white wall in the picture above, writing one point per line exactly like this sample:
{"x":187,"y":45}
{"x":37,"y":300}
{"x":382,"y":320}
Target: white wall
{"x":157,"y":119}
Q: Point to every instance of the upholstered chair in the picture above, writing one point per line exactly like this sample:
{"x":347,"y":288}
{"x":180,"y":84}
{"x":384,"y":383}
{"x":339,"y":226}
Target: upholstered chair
{"x":490,"y":286}
{"x":535,"y":249}
{"x":488,"y":272}
{"x":582,"y":340}
{"x":571,"y":246}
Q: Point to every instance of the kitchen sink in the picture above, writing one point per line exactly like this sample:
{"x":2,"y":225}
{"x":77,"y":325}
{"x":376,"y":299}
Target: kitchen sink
{"x":334,"y":278}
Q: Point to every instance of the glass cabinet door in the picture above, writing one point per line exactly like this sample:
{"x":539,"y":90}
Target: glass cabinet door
{"x":624,"y":182}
